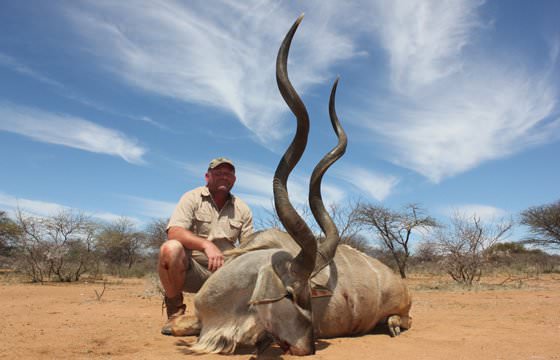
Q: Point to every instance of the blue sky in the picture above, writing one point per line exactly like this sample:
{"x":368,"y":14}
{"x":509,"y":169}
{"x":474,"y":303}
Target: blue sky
{"x":116,"y":108}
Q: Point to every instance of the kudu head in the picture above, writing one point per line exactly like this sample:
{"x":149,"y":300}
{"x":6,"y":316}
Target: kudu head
{"x":282,"y":295}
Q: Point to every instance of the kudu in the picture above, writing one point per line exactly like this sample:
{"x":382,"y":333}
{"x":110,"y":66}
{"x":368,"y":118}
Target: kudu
{"x":287,"y":286}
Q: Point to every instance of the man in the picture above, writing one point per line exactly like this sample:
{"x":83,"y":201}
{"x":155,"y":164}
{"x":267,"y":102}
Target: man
{"x":207,"y":221}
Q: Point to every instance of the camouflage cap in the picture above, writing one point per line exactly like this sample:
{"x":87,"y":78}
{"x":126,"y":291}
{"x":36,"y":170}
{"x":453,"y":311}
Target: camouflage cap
{"x":220,"y":161}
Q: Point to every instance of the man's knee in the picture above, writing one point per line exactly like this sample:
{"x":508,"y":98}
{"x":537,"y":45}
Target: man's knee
{"x":171,"y":251}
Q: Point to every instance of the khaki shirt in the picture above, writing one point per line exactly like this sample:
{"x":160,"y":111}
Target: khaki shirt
{"x":197,"y":212}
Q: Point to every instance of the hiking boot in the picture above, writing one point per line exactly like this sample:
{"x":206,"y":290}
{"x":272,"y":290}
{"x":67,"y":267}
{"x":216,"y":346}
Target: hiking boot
{"x":175,"y":308}
{"x":182,"y":325}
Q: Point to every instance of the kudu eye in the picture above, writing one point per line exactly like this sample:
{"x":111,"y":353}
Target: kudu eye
{"x":290,"y":295}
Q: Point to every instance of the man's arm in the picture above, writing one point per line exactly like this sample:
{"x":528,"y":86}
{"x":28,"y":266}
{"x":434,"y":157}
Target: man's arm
{"x":193,"y":242}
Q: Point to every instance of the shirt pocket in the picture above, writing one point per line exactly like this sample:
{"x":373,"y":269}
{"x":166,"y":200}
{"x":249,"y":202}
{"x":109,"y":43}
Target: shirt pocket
{"x":234,"y":229}
{"x":203,"y":222}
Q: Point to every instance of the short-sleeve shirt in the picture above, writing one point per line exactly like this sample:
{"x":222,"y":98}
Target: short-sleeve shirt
{"x":197,"y":212}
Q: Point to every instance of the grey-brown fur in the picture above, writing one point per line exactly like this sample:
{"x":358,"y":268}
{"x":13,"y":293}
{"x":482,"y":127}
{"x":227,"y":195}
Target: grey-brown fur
{"x":364,"y":292}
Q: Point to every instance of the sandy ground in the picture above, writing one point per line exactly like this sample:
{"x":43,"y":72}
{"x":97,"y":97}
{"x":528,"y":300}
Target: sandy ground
{"x":518,"y":320}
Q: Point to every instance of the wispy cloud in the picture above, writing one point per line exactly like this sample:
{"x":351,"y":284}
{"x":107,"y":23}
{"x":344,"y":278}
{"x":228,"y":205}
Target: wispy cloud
{"x":151,"y":208}
{"x":110,"y":217}
{"x":459,"y":109}
{"x":256,"y":201}
{"x":69,"y":131}
{"x":490,"y":115}
{"x":424,"y":39}
{"x":23,"y":69}
{"x":35,"y":207}
{"x":72,"y":95}
{"x":451,"y":104}
{"x":333,"y":194}
{"x":150,"y":121}
{"x":377,"y":186}
{"x":257,"y":180}
{"x":222,"y":56}
{"x":43,"y":208}
{"x":484,"y":212}
{"x":11,"y":63}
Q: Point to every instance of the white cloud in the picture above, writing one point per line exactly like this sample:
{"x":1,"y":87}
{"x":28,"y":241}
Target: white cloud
{"x":13,"y":64}
{"x":257,"y":201}
{"x":332,"y":194}
{"x":484,"y":212}
{"x":152,"y":208}
{"x":487,"y":114}
{"x":256,"y":179}
{"x":454,"y":107}
{"x":110,"y":217}
{"x":377,"y":186}
{"x":150,"y":121}
{"x":35,"y":207}
{"x":69,"y":131}
{"x":424,"y":39}
{"x":42,"y":208}
{"x":221,"y":56}
{"x":449,"y":110}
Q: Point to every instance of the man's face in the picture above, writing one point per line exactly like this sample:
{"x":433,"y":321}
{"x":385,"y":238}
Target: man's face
{"x":221,"y":178}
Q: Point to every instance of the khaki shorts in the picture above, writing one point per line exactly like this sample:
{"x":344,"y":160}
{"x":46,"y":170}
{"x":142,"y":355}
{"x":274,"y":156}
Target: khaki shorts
{"x":198,"y":272}
{"x":196,"y":276}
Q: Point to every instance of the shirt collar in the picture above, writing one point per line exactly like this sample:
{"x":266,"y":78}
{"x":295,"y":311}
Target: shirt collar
{"x":206,"y":192}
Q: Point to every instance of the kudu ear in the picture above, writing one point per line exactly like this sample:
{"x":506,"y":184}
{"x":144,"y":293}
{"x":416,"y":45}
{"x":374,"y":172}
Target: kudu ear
{"x":271,"y":280}
{"x":269,"y":287}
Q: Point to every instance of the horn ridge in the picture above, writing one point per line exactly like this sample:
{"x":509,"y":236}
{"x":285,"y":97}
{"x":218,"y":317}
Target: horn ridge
{"x":292,"y":221}
{"x":327,"y":248}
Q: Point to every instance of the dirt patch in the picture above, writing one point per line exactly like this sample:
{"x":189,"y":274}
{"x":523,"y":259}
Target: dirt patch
{"x":519,"y":319}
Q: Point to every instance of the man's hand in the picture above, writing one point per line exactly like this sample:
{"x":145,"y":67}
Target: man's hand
{"x":215,"y":256}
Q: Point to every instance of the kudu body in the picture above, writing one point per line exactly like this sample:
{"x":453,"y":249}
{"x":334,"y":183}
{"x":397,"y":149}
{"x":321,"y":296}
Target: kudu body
{"x":286,"y":286}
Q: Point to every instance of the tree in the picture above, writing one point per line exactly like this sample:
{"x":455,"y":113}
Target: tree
{"x":9,"y":231}
{"x":120,"y":243}
{"x":59,"y":246}
{"x":395,"y":228}
{"x":346,"y":219}
{"x":156,"y":232}
{"x":427,"y":251}
{"x":71,"y":236}
{"x":507,"y":248}
{"x":544,"y":224}
{"x":464,"y":245}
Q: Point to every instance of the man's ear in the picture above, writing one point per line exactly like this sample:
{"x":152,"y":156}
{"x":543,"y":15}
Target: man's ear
{"x":320,"y":291}
{"x":269,"y":287}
